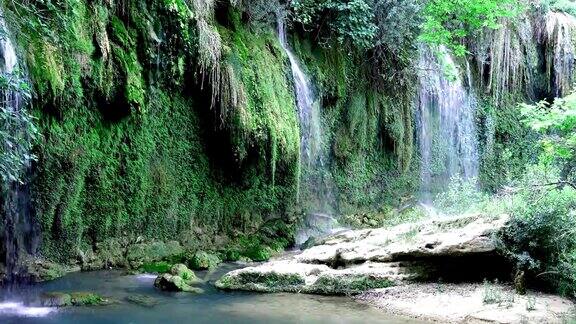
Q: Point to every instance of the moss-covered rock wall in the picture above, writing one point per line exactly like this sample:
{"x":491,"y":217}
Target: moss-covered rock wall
{"x":173,"y":119}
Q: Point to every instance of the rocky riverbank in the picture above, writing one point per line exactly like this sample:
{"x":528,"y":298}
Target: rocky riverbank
{"x":357,"y":260}
{"x":431,"y":270}
{"x":470,"y":303}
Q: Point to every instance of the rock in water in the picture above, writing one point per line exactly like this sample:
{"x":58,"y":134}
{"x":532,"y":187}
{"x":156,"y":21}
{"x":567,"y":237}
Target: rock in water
{"x":55,"y":299}
{"x":180,"y":278}
{"x":354,"y":261}
{"x":142,"y":300}
{"x":60,"y":299}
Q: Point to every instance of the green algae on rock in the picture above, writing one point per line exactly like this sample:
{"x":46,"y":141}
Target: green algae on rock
{"x":61,"y":299}
{"x":203,"y":261}
{"x":180,"y":278}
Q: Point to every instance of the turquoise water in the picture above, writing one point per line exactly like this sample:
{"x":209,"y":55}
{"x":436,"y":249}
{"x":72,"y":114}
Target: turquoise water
{"x":213,"y":306}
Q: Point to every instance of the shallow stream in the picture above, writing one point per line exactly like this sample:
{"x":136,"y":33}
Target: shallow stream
{"x":213,"y":306}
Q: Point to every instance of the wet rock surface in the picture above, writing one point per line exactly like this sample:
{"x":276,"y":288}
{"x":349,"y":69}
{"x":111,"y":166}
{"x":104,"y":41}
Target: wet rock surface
{"x":180,"y":278}
{"x":63,"y":299}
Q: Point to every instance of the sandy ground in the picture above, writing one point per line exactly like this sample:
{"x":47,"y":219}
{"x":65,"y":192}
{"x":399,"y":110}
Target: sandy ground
{"x":465,"y":303}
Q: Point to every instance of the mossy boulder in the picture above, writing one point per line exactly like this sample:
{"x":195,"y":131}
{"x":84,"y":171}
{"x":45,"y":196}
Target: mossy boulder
{"x":168,"y":282}
{"x":272,"y":238}
{"x":88,"y":299}
{"x":272,"y":282}
{"x":289,"y":276}
{"x":61,"y":299}
{"x":203,"y":261}
{"x":180,"y":278}
{"x":55,"y":299}
{"x":348,"y":285}
{"x":183,"y":272}
{"x":259,"y":253}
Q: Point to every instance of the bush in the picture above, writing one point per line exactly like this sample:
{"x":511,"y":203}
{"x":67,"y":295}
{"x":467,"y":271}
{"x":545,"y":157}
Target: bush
{"x":541,"y":239}
{"x":156,"y":267}
{"x":461,"y":196}
{"x":349,"y":21}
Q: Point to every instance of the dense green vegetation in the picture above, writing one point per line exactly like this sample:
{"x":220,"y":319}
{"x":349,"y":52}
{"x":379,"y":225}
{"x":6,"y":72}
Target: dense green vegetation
{"x":175,"y":120}
{"x":18,"y":129}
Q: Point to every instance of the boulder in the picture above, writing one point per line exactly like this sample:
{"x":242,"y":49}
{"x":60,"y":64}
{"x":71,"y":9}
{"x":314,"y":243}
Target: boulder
{"x":55,"y":299}
{"x":61,"y":299}
{"x":88,"y":299}
{"x":180,"y":278}
{"x":453,"y":237}
{"x":353,"y":261}
{"x":183,"y":272}
{"x":168,"y":282}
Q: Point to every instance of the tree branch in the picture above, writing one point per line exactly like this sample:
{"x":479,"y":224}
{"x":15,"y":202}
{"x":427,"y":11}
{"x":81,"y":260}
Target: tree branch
{"x":559,"y":183}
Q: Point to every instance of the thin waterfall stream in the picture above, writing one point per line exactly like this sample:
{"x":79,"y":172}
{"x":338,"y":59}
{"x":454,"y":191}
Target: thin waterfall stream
{"x":19,"y":235}
{"x":320,"y":219}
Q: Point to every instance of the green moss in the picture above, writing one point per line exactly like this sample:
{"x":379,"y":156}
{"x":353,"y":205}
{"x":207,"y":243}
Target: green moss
{"x":330,"y":285}
{"x":133,"y":149}
{"x":369,"y":126}
{"x":56,"y":299}
{"x":183,"y":272}
{"x":123,"y":160}
{"x":86,"y":299}
{"x":120,"y":34}
{"x":269,"y":112}
{"x":272,"y":238}
{"x":203,"y":261}
{"x":269,"y":282}
{"x":156,"y":267}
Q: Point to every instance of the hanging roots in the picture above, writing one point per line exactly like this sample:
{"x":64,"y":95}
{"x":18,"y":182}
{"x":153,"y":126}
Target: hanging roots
{"x":557,"y":36}
{"x":225,"y":85}
{"x":508,"y":55}
{"x":232,"y":92}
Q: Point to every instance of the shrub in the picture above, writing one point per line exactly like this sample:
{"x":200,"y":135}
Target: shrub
{"x":541,"y":239}
{"x":156,"y":267}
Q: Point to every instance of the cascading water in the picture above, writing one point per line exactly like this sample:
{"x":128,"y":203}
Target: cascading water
{"x":312,"y":155}
{"x":308,"y":110}
{"x":445,"y":122}
{"x":19,"y":234}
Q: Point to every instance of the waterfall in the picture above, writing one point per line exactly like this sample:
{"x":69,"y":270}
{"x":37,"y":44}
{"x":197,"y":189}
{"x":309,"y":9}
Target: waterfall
{"x":314,"y":171}
{"x":308,"y":109}
{"x":19,"y":234}
{"x":445,"y":121}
